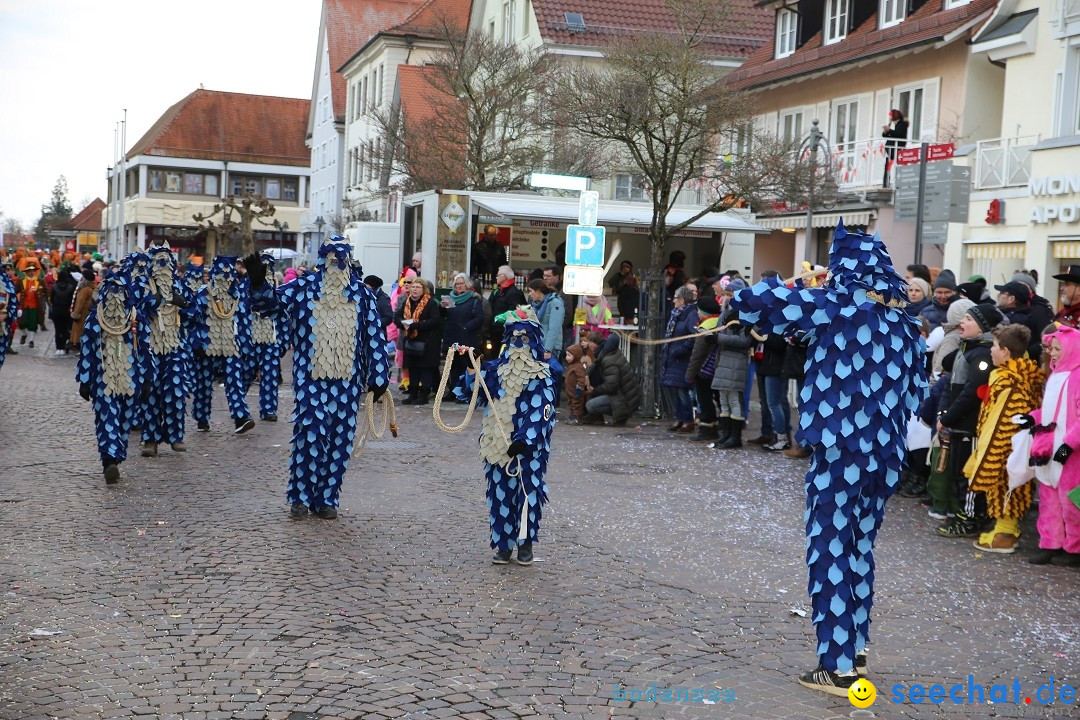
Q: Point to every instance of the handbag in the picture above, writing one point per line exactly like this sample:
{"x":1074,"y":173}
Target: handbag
{"x":414,"y":347}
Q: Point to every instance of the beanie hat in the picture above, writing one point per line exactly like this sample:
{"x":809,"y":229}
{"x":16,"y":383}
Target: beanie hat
{"x":971,"y":290}
{"x":986,"y":316}
{"x":1026,"y":279}
{"x":373,"y":281}
{"x":708,"y":305}
{"x":921,"y":284}
{"x":735,"y":285}
{"x":957,"y":311}
{"x":945,"y":279}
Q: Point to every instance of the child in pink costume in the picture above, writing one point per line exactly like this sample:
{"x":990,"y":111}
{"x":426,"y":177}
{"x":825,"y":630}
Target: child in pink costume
{"x":1057,"y":466}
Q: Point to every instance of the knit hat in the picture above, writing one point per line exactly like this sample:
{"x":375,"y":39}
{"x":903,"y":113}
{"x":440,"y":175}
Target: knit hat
{"x":945,"y":279}
{"x":987,"y":317}
{"x":1026,"y":279}
{"x":957,"y":311}
{"x":735,"y":285}
{"x":373,"y":281}
{"x":921,"y":284}
{"x":971,"y":290}
{"x":708,"y":305}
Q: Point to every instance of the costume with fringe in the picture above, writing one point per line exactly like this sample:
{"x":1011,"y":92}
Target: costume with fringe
{"x":193,"y":282}
{"x":267,"y":340}
{"x":520,"y":382}
{"x":169,"y":303}
{"x":865,"y":376}
{"x":339,"y":351}
{"x":220,"y":343}
{"x":115,"y":363}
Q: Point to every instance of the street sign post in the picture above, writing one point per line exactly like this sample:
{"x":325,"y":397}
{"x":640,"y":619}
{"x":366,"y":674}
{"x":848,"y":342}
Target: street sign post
{"x":581,"y":280}
{"x":585,"y":245}
{"x":588,"y":208}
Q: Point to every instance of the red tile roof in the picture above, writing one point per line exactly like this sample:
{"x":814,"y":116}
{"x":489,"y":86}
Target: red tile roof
{"x":927,"y":25}
{"x":605,"y":20}
{"x":421,"y":103}
{"x":89,"y":218}
{"x":428,"y":19}
{"x":349,"y":26}
{"x":213,"y":125}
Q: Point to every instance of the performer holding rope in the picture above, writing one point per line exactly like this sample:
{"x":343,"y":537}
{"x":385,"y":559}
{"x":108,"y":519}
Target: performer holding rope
{"x":339,"y":347}
{"x":515,"y":436}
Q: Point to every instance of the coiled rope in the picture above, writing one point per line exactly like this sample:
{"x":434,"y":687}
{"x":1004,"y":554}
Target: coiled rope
{"x":370,"y":427}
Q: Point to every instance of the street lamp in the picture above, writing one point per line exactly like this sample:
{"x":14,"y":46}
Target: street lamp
{"x":810,"y":145}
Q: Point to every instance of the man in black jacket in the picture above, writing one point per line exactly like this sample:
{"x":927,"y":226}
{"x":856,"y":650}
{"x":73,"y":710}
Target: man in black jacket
{"x":616,"y":389}
{"x":505,"y":297}
{"x":1014,"y":301}
{"x":382,"y":300}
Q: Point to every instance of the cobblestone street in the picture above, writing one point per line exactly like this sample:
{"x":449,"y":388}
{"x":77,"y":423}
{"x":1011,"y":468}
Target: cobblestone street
{"x":187,"y":592}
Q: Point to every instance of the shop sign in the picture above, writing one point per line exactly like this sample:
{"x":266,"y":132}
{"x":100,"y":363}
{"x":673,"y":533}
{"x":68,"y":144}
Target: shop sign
{"x":1054,"y":186}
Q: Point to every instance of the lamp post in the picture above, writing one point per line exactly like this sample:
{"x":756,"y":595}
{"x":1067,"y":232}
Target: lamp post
{"x":809,"y":147}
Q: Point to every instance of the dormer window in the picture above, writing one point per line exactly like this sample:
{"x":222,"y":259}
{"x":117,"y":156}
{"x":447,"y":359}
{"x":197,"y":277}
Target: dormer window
{"x":837,"y":14}
{"x":892,"y":12}
{"x":786,"y":29}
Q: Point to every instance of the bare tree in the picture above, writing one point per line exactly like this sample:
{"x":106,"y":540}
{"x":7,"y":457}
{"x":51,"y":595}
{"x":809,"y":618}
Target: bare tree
{"x":660,"y":104}
{"x":249,"y":210}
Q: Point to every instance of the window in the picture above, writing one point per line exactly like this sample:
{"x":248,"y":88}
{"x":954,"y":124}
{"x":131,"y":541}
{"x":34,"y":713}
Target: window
{"x":289,"y":190}
{"x":524,"y":18}
{"x":786,"y":27}
{"x":845,"y":122}
{"x":253,"y":186}
{"x":156,"y":180}
{"x":837,"y":13}
{"x":892,"y":12}
{"x":193,"y":184}
{"x":491,"y":30}
{"x":791,"y":124}
{"x":950,"y":4}
{"x":630,"y":187}
{"x":378,"y":157}
{"x":378,"y":94}
{"x":273,"y":189}
{"x":211,"y":186}
{"x":910,"y":102}
{"x":363,"y":95}
{"x":326,"y":108}
{"x":510,"y":21}
{"x":173,"y":182}
{"x":236,"y":186}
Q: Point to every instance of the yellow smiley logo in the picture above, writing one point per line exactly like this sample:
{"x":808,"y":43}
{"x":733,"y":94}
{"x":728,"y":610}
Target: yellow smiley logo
{"x":862,"y":693}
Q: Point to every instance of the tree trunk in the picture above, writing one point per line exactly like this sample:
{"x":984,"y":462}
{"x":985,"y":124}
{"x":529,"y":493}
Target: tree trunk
{"x":651,"y":322}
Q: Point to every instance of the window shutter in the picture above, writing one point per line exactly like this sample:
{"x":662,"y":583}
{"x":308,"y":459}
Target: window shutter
{"x":771,"y":122}
{"x":822,"y":116}
{"x":931,"y":90}
{"x":865,"y":126}
{"x":882,"y":102}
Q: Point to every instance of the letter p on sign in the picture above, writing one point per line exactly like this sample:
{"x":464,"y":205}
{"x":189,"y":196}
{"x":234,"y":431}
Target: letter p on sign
{"x":585,"y":245}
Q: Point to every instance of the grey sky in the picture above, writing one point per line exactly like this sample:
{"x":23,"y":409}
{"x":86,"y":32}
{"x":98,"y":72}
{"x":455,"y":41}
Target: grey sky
{"x":68,"y":68}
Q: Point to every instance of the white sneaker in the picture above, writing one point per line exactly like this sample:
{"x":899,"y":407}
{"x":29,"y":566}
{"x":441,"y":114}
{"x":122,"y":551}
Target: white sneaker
{"x":779,"y":445}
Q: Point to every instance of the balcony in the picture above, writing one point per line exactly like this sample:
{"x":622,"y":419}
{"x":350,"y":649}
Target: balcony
{"x":1003,"y":162}
{"x":859,"y":165}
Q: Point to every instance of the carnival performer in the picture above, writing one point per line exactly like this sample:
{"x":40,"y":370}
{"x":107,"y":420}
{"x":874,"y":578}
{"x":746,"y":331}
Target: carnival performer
{"x":30,"y":288}
{"x":515,"y":436}
{"x":267,"y":338}
{"x":193,"y":281}
{"x":221,"y":344}
{"x":136,"y":268}
{"x":165,"y":406}
{"x":114,"y":368}
{"x":339,"y":350}
{"x":864,"y":377}
{"x":9,"y":313}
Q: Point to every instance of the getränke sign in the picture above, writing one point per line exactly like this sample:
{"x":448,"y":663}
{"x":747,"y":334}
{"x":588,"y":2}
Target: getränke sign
{"x":1054,"y":186}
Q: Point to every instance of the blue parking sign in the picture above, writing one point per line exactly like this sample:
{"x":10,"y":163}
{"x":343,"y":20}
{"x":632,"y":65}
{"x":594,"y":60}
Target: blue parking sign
{"x":585,"y":245}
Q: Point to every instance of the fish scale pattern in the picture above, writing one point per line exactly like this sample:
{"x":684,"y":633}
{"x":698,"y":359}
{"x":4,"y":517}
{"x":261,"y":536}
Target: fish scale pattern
{"x":166,"y":406}
{"x":516,"y":487}
{"x":268,"y":342}
{"x":12,"y":309}
{"x":865,"y":375}
{"x":231,"y":366}
{"x":325,"y":409}
{"x":113,"y":413}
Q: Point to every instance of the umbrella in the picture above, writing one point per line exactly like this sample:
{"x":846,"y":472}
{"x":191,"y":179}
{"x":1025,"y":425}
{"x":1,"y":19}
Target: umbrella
{"x":282,"y":253}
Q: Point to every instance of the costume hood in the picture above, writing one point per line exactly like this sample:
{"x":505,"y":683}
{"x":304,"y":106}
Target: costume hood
{"x":1070,"y":349}
{"x":861,"y":261}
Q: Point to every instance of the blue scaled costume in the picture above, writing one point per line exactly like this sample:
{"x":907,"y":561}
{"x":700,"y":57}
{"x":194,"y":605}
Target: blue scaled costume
{"x":339,"y":350}
{"x":9,"y":307}
{"x":114,"y":368}
{"x":135,"y":267}
{"x":220,"y":344}
{"x":193,"y":281}
{"x":515,"y":437}
{"x":172,"y":301}
{"x":268,"y":335}
{"x":865,"y":375}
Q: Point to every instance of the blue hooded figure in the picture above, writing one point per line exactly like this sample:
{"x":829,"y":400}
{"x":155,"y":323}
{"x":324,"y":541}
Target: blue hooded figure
{"x":9,"y":311}
{"x":515,"y":436}
{"x":339,"y":352}
{"x":168,"y":305}
{"x":865,"y":375}
{"x":220,"y":344}
{"x":114,"y":368}
{"x":268,"y":336}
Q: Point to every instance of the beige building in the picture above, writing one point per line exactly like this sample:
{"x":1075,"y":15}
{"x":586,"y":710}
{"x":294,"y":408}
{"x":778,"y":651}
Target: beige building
{"x":1031,"y":168}
{"x":846,"y":64}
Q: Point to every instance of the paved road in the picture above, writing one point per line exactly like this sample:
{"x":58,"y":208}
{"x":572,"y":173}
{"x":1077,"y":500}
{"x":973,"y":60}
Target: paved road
{"x":187,"y":592}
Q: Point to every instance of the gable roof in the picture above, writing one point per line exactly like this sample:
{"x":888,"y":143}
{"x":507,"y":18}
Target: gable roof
{"x":605,"y":20}
{"x":89,"y":218}
{"x":929,"y":24}
{"x":428,"y":18}
{"x":350,"y":24}
{"x":213,"y":125}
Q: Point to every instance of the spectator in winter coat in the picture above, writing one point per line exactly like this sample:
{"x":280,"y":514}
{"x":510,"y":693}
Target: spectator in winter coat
{"x":1014,"y":301}
{"x":944,"y":295}
{"x":918,"y":296}
{"x":505,"y":297}
{"x":675,"y":357}
{"x":550,"y":311}
{"x":382,"y":300}
{"x":60,"y":301}
{"x":84,"y":301}
{"x":946,"y":339}
{"x":729,"y":380}
{"x":702,"y":366}
{"x":618,"y":392}
{"x":463,"y":320}
{"x":1042,"y":313}
{"x":576,"y":382}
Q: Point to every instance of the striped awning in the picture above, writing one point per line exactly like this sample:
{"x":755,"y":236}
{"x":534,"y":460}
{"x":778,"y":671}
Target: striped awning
{"x":821,"y":220}
{"x":1066,"y":250}
{"x":996,"y":251}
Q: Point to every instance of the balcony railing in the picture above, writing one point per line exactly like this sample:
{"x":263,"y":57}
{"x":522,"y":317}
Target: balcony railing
{"x":1003,"y":162}
{"x":860,"y":165}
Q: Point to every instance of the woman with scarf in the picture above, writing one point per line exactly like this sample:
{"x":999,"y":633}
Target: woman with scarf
{"x":417,"y":319}
{"x":463,"y":311}
{"x":549,"y":310}
{"x":675,"y":358}
{"x":597,"y":313}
